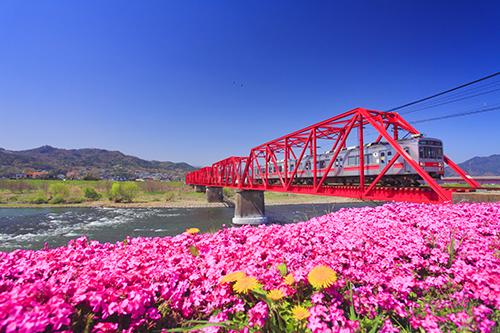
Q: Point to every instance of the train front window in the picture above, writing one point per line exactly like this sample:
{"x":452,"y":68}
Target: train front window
{"x":431,"y":152}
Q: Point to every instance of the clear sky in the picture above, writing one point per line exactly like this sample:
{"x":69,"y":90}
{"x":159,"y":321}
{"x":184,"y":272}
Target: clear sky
{"x":199,"y":81}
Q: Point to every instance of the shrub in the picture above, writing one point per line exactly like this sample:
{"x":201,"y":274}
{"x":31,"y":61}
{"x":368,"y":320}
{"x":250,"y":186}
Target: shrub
{"x":13,"y":198}
{"x":59,"y":188}
{"x":90,"y":176}
{"x":129,"y":191}
{"x":115,"y":194}
{"x":90,"y":193}
{"x":170,"y":196}
{"x":17,"y":186}
{"x":123,"y":192}
{"x":38,"y":199}
{"x":59,"y":198}
{"x":75,"y":200}
{"x":228,"y":193}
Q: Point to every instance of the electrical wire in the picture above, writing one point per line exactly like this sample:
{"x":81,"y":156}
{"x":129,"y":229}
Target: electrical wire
{"x":461,"y":114}
{"x":444,"y":92}
{"x":454,"y":98}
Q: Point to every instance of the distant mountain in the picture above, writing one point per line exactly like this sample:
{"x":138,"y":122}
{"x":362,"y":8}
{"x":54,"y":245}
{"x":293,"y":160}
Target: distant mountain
{"x":55,"y":160}
{"x":478,"y":166}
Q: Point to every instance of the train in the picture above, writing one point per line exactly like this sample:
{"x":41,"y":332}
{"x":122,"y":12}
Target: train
{"x":427,"y":152}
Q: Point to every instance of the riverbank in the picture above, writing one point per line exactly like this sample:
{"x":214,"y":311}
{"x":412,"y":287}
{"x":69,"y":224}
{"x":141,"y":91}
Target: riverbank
{"x":271,"y":199}
{"x":89,"y":194}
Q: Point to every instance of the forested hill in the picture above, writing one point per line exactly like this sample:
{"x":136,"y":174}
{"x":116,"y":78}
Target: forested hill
{"x":55,"y":160}
{"x":478,"y":166}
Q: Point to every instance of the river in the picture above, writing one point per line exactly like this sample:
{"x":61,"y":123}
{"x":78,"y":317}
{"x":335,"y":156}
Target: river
{"x":31,"y":228}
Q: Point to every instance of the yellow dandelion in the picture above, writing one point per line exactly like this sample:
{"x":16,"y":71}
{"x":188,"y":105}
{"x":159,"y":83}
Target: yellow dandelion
{"x":193,"y":231}
{"x":275,"y":294}
{"x":231,"y":277}
{"x":245,"y":284}
{"x":300,"y":312}
{"x":289,"y":280}
{"x":322,"y":277}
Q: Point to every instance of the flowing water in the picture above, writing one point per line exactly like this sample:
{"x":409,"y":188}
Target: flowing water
{"x":32,"y":228}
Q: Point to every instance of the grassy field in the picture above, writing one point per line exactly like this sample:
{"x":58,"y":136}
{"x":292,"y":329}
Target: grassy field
{"x":43,"y":193}
{"x":53,"y":192}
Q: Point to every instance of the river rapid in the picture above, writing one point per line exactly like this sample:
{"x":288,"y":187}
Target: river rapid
{"x":35,"y":228}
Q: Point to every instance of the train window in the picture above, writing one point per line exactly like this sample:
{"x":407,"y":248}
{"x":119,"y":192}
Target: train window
{"x":353,"y":160}
{"x":368,"y":159}
{"x":382,"y":154}
{"x":422,"y":152}
{"x":389,"y":153}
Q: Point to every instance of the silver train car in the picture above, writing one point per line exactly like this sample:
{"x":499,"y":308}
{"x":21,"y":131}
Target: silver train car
{"x":428,"y":152}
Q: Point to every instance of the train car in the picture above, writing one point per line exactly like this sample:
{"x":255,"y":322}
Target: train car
{"x":428,"y":152}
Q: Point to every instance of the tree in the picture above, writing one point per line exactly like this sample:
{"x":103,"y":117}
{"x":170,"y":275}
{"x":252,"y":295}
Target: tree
{"x":90,"y":193}
{"x":123,"y":192}
{"x":59,"y":188}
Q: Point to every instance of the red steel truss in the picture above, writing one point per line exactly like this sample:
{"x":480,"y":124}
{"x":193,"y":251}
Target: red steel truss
{"x":238,"y":172}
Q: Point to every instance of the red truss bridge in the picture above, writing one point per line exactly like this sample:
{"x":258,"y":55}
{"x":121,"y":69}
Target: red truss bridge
{"x":394,"y":169}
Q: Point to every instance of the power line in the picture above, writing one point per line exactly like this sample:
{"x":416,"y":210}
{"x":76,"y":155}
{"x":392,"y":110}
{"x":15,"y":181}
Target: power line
{"x":460,"y":114}
{"x":445,"y":92}
{"x":449,"y":101}
{"x":455,"y":97}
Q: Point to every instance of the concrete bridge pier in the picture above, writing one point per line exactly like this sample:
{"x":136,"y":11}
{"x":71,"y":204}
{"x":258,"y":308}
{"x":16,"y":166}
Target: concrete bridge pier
{"x":214,"y":194}
{"x":200,"y":188}
{"x":249,"y":208}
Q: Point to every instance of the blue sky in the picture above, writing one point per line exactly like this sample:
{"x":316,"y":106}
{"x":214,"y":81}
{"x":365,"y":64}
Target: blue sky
{"x":154,"y":79}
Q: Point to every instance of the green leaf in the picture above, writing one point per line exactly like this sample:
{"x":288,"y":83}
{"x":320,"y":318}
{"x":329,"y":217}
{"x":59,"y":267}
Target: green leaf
{"x":194,"y":250}
{"x":225,"y":324}
{"x":283,"y":269}
{"x":375,"y":327}
{"x":352,"y":312}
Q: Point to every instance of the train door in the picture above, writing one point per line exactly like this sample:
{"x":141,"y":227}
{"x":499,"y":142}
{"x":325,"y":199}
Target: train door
{"x":407,"y":167}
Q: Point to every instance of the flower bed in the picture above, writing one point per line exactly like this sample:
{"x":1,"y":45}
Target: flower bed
{"x":397,"y":267}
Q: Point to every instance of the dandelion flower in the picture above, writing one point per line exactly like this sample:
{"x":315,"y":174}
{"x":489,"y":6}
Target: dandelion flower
{"x":275,"y":294}
{"x":234,"y":276}
{"x":289,"y":280}
{"x":193,"y":231}
{"x":322,"y":277}
{"x":300,"y":312}
{"x":245,"y":284}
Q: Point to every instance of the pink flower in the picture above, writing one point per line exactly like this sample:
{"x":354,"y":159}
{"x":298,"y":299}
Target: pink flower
{"x":105,"y":327}
{"x":258,"y":314}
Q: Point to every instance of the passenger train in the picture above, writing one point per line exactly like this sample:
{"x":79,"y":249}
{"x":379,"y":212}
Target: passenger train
{"x":427,"y":152}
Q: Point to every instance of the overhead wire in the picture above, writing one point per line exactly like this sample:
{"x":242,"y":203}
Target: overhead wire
{"x":445,"y":92}
{"x":461,"y":114}
{"x":455,"y":98}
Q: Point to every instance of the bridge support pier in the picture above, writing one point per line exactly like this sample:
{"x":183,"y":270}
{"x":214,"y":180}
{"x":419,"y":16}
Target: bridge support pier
{"x":200,"y":188}
{"x":249,"y":208}
{"x":214,"y":194}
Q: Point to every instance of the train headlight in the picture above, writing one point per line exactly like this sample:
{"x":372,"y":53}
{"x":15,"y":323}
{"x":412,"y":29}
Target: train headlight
{"x":422,"y":164}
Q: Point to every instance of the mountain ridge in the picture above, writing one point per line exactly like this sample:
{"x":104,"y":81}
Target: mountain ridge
{"x":58,"y":160}
{"x":478,"y":166}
